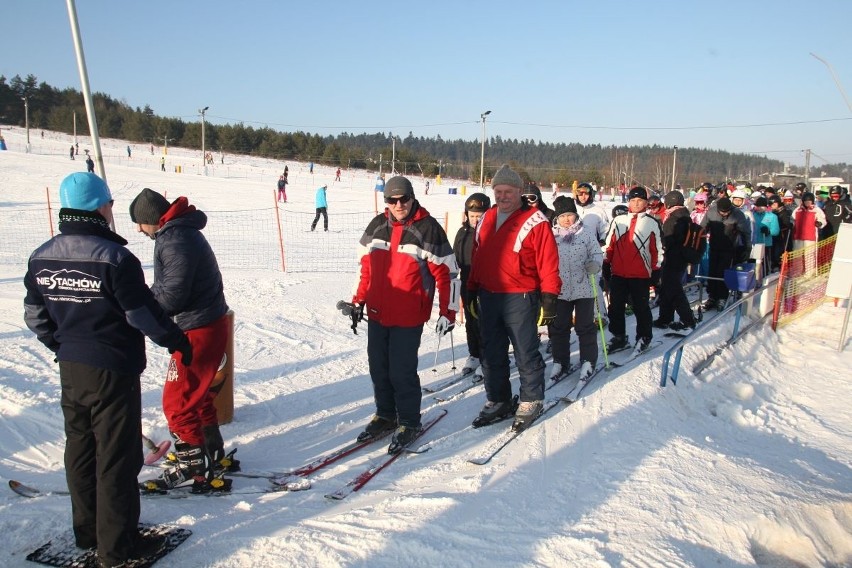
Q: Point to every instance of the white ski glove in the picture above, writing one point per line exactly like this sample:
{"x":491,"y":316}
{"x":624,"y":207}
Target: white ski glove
{"x":444,"y":326}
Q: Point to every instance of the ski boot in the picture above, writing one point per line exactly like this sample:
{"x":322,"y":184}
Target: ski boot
{"x":215,"y":446}
{"x":403,"y":437}
{"x":377,"y":428}
{"x":526,"y":414}
{"x":495,"y":411}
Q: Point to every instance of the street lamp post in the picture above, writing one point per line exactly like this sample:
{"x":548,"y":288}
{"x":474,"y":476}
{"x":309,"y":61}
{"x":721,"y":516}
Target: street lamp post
{"x":27,"y":120}
{"x":203,"y":153}
{"x":674,"y":165}
{"x":482,"y":155}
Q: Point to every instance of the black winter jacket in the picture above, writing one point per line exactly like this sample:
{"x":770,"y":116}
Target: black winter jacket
{"x":674,"y":233}
{"x":187,"y":281}
{"x":87,"y":300}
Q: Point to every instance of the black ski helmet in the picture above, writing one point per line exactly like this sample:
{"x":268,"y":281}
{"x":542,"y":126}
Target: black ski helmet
{"x":588,"y":186}
{"x":477,"y":202}
{"x":619,"y":210}
{"x":835,"y":189}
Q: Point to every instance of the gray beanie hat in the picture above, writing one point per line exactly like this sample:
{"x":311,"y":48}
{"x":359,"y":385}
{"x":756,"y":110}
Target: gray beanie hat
{"x":506,"y":176}
{"x":148,"y":207}
{"x":398,"y":185}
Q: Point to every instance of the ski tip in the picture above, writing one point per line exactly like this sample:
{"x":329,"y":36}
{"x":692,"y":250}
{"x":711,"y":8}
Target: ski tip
{"x":479,"y":461}
{"x":22,"y":489}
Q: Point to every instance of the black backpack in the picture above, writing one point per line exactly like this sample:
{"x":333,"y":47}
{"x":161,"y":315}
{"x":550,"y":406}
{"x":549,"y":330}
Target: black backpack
{"x":694,"y":243}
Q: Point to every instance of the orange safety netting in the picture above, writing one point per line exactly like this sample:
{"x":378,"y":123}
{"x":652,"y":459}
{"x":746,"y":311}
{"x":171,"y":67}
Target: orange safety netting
{"x":803,"y":280}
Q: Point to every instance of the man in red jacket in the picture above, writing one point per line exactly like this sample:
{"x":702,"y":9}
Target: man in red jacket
{"x":513,"y":287}
{"x":405,"y":256}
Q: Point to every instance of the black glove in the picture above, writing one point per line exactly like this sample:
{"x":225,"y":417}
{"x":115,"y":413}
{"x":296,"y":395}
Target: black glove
{"x":606,"y":271}
{"x":185,"y":349}
{"x":655,"y":278}
{"x":473,"y":304}
{"x":548,"y":309}
{"x":818,"y":224}
{"x":764,"y":230}
{"x":352,"y":310}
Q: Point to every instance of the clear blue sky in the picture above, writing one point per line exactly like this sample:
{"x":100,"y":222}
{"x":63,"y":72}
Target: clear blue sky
{"x":609,"y":72}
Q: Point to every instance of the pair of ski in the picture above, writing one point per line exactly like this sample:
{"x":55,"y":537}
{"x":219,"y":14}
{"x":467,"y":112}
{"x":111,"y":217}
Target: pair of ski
{"x":445,"y":384}
{"x":293,"y":480}
{"x":509,"y":436}
{"x":634,"y":355}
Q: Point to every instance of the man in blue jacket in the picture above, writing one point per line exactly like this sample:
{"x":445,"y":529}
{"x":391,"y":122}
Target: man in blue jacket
{"x":321,"y":203}
{"x":188,"y":285}
{"x":88,"y":303}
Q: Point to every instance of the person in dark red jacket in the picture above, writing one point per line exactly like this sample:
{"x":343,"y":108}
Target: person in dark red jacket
{"x":405,"y":256}
{"x":88,"y":303}
{"x":188,"y":285}
{"x":513,"y":287}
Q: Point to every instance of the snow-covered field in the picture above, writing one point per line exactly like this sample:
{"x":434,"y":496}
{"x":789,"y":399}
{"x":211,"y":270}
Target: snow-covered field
{"x":748,"y":464}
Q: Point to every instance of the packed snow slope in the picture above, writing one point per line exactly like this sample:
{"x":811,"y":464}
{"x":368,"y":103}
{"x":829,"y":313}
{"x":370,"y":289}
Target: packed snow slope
{"x":747,"y":464}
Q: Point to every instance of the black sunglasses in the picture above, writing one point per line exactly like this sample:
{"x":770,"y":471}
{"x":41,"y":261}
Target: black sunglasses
{"x":401,"y":199}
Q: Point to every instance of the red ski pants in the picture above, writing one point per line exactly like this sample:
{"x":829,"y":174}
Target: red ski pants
{"x":187,"y":398}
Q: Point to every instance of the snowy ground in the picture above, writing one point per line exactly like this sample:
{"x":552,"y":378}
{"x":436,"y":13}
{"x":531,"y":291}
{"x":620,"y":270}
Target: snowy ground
{"x":748,"y":464}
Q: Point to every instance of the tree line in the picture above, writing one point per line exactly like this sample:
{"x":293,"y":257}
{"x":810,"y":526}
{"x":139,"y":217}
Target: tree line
{"x":544,"y":162}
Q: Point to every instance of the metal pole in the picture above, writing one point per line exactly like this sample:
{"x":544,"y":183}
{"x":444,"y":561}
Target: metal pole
{"x":393,"y":154}
{"x":836,"y":82}
{"x":842,"y":340}
{"x":674,"y":165}
{"x":482,"y":155}
{"x":27,"y":120}
{"x":203,"y":154}
{"x":87,"y":91}
{"x":807,"y":167}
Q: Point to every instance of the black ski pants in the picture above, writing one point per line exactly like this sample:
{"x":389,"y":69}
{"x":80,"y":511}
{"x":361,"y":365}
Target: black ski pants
{"x":392,"y":355}
{"x":720,"y":260}
{"x":471,"y":326}
{"x":637,"y":291}
{"x":579,"y":314}
{"x":103,"y":456}
{"x":511,"y":318}
{"x":672,"y":297}
{"x":324,"y":212}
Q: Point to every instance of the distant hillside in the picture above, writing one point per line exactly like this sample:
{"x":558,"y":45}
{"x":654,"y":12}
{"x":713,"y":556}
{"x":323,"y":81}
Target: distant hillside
{"x":54,"y":109}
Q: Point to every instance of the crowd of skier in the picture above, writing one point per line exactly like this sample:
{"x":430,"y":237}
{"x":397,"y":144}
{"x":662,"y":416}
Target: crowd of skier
{"x":516,"y":266}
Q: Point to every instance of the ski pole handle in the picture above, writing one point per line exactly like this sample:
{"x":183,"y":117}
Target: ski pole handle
{"x":149,"y":443}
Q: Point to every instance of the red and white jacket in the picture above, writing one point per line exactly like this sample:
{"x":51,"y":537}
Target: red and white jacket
{"x":805,"y":222}
{"x":519,"y":257}
{"x":634,"y":246}
{"x":402,"y":263}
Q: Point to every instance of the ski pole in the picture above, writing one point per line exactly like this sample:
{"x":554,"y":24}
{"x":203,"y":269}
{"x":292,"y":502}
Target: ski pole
{"x":437,"y":350}
{"x":149,"y":443}
{"x":600,"y":320}
{"x":453,"y":352}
